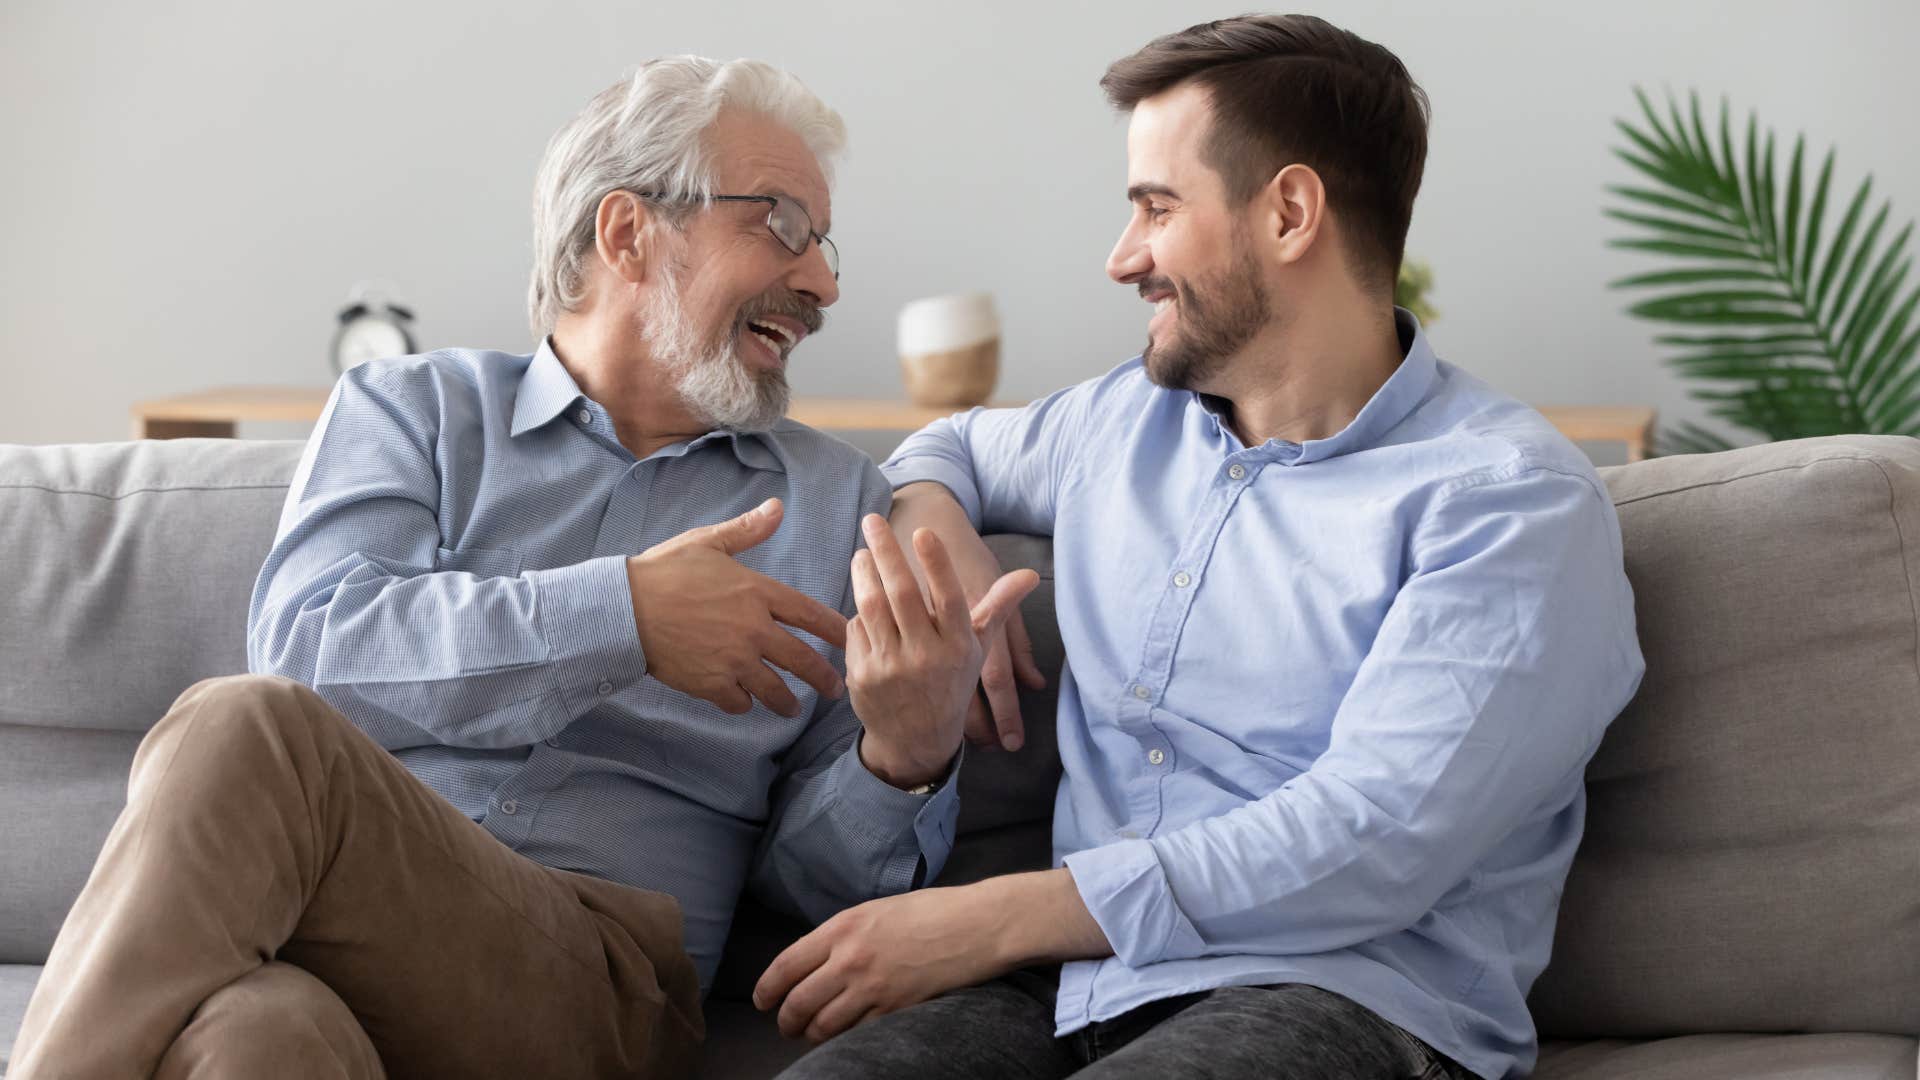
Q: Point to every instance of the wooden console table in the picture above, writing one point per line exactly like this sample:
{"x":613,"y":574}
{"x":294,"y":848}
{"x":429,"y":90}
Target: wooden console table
{"x":214,"y":414}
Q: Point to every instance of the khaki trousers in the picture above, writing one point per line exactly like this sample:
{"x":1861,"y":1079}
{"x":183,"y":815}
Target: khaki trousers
{"x":281,"y":898}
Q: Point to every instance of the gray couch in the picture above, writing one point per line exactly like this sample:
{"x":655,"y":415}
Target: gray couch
{"x":1746,"y":902}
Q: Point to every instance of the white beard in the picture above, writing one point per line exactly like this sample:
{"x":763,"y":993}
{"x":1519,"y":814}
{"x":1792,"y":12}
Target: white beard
{"x":713,"y":382}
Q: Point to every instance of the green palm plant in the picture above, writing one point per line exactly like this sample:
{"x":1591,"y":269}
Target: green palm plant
{"x":1792,"y":335}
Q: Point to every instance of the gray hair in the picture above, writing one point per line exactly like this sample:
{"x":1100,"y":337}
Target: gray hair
{"x":646,"y":133}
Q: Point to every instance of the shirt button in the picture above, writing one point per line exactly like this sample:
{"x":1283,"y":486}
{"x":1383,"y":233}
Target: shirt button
{"x":1156,"y":757}
{"x":1182,"y":579}
{"x":554,"y":742}
{"x":585,"y":418}
{"x":1142,"y":693}
{"x":1238,"y":472}
{"x":511,"y":808}
{"x":603,"y":689}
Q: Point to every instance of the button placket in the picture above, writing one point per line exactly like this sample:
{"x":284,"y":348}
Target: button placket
{"x":623,"y":522}
{"x":1164,"y":625}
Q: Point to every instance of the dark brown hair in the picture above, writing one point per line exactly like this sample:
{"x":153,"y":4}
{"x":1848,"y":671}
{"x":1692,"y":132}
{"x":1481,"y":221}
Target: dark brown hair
{"x":1291,"y":89}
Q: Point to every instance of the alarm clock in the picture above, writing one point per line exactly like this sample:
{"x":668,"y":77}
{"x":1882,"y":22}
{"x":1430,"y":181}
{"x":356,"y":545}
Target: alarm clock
{"x":371,"y":330}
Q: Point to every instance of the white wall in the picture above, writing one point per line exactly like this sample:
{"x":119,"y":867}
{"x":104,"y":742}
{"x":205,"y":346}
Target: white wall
{"x":190,"y":188}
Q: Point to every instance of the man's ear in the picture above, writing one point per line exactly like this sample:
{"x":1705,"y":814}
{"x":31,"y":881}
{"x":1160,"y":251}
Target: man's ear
{"x":624,"y":229}
{"x":1296,"y":203}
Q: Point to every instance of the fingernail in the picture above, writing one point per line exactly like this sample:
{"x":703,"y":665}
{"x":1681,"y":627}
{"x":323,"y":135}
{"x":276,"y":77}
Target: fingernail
{"x":766,"y":507}
{"x":1011,"y":741}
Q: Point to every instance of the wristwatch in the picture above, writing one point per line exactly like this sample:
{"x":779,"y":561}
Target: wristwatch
{"x":927,"y":788}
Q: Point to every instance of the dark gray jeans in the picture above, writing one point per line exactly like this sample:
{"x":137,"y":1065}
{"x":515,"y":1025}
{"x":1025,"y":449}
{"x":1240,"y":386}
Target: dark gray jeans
{"x":1003,"y":1030}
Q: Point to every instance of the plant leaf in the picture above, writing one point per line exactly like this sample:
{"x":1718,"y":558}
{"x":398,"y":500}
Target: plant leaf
{"x":1839,"y":249}
{"x":1803,"y":259}
{"x":1691,"y":274}
{"x":1790,"y":243}
{"x":1673,"y":227}
{"x":1680,"y":205}
{"x":1859,"y":261}
{"x":1769,"y":201}
{"x":1784,"y":332}
{"x":1874,"y":369}
{"x":1899,"y":406}
{"x":1676,"y":178}
{"x":1681,"y":247}
{"x":1883,"y":283}
{"x":1784,"y":341}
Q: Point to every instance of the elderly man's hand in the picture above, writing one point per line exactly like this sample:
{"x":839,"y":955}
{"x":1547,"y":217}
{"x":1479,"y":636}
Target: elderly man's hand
{"x":913,"y":660}
{"x":710,"y":627}
{"x":993,"y":715}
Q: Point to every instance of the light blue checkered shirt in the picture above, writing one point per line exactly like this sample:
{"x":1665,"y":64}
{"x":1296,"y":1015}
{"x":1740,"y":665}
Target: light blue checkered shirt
{"x":1327,"y":705}
{"x":449,"y":572}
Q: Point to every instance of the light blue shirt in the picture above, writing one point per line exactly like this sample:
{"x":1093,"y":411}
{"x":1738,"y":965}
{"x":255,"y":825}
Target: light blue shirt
{"x":450,"y":573}
{"x":1327,"y":705}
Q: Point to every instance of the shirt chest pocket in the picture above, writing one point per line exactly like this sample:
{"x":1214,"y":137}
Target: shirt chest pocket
{"x":479,"y":561}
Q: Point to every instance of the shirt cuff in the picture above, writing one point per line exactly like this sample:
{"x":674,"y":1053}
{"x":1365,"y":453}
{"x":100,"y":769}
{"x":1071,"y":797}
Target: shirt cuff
{"x":892,"y":814}
{"x":586,"y":613}
{"x":913,"y":470}
{"x":1126,"y":891}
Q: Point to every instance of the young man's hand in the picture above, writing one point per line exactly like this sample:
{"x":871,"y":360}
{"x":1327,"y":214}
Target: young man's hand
{"x":888,"y":954}
{"x":913,"y":660}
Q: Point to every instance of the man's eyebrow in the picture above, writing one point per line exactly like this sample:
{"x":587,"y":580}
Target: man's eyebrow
{"x":1141,"y":191}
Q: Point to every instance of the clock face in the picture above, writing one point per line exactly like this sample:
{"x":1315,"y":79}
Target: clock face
{"x":369,"y":337}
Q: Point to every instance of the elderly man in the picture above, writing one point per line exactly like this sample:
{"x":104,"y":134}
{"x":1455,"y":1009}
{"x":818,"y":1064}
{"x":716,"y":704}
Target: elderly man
{"x":533,"y":715}
{"x":1343,"y":626}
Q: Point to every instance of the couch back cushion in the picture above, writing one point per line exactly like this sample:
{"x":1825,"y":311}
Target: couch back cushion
{"x":1752,"y":852}
{"x":128,"y":568}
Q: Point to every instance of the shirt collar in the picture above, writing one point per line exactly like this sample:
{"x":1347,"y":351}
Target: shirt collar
{"x":1393,"y":402}
{"x":548,"y":390}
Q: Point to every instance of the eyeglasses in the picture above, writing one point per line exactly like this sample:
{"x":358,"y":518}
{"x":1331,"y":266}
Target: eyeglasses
{"x":786,"y":220}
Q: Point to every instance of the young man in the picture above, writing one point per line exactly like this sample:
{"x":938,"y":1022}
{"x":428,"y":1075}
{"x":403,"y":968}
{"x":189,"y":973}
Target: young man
{"x":1343,"y":626}
{"x":489,"y":807}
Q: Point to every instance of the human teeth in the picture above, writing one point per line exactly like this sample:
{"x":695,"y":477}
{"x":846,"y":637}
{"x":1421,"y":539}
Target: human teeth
{"x":775,"y":330}
{"x":1162,"y":305}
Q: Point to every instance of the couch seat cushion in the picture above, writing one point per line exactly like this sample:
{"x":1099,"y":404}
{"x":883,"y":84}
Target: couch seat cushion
{"x":1733,"y":1057}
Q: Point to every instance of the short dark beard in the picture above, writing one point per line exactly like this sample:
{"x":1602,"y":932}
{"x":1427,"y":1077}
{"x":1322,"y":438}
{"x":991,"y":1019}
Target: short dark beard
{"x":1208,"y":332}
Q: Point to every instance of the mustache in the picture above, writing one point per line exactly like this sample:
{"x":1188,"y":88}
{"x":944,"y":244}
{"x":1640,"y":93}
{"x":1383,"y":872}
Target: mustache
{"x":1156,"y":284}
{"x":783,"y":302}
